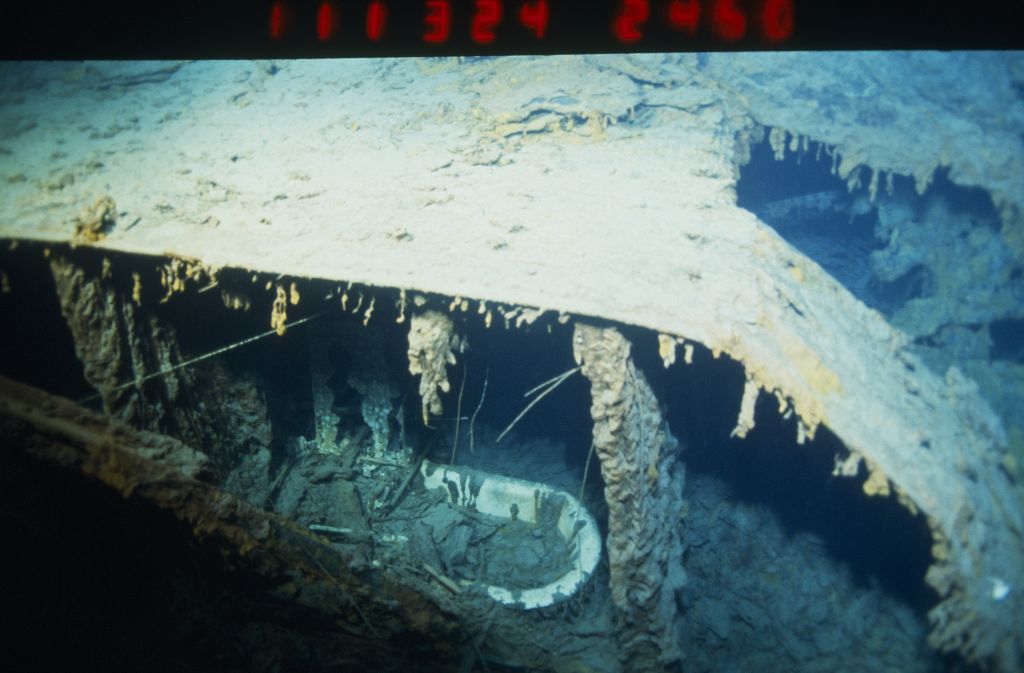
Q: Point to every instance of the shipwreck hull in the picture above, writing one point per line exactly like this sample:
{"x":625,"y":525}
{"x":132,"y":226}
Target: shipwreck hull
{"x":600,"y":192}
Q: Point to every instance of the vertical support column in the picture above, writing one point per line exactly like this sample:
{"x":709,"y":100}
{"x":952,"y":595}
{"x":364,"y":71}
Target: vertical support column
{"x":118,"y":344}
{"x":325,"y":421}
{"x":643,"y":489}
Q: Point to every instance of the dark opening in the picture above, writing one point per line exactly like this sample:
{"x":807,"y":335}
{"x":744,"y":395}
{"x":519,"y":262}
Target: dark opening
{"x":1008,"y":339}
{"x":814,"y":211}
{"x":37,"y":345}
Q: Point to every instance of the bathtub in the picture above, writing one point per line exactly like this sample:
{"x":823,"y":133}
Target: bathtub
{"x":506,"y":497}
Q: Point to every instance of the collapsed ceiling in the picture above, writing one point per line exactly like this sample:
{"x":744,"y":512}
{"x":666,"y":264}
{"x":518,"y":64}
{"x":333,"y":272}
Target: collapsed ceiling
{"x":598,"y":188}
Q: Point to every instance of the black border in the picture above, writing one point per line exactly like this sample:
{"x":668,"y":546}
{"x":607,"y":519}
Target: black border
{"x":151,"y":29}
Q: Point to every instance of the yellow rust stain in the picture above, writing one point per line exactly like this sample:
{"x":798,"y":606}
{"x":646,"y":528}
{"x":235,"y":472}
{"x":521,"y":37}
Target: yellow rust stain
{"x":279,"y":312}
{"x":821,"y":379}
{"x":904,"y":499}
{"x":940,"y":546}
{"x":178,"y":271}
{"x":401,"y":306}
{"x":94,"y":220}
{"x":877,"y":483}
{"x":666,"y":349}
{"x":369,"y":311}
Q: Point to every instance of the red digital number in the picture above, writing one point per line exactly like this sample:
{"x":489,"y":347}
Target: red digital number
{"x":684,"y":15}
{"x":488,"y":15}
{"x":535,"y":17}
{"x":438,"y":20}
{"x":777,"y":20}
{"x":326,"y":20}
{"x":728,"y":22}
{"x":278,"y":20}
{"x":627,"y":24}
{"x":376,"y":19}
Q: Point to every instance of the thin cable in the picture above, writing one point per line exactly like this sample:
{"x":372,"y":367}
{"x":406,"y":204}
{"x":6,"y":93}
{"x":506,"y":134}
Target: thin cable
{"x":458,"y":415}
{"x":200,"y":358}
{"x":553,"y":379}
{"x":487,"y":374}
{"x":557,"y":381}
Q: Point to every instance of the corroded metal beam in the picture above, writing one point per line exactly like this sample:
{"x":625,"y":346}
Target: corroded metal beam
{"x":380,"y":622}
